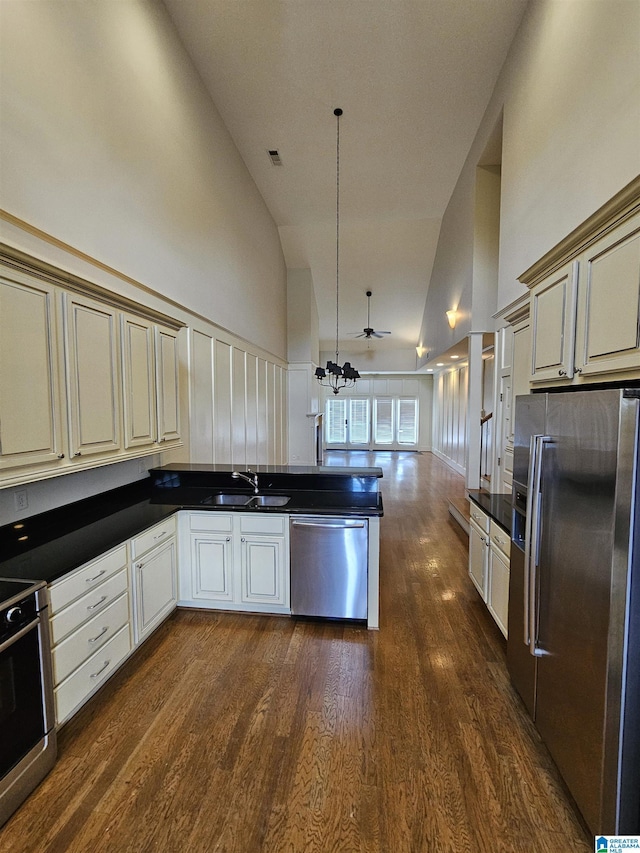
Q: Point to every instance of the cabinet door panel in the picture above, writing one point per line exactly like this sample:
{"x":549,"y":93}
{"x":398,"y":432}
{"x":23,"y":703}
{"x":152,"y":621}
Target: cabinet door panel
{"x":498,"y":597}
{"x":30,"y":415}
{"x":212,"y":573}
{"x":155,"y":588}
{"x":610,"y":304}
{"x":167,"y":381}
{"x":263,"y":570}
{"x":139,"y":383}
{"x":553,"y":310}
{"x":93,"y":377}
{"x":478,"y":558}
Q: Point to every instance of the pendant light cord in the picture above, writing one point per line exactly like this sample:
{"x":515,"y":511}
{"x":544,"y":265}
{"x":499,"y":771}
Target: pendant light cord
{"x":337,"y":113}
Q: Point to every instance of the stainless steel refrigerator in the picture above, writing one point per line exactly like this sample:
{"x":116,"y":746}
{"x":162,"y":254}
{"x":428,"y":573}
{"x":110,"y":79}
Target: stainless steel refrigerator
{"x":574,"y":604}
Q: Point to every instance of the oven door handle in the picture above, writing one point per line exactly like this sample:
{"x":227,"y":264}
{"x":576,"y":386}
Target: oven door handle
{"x":19,"y":635}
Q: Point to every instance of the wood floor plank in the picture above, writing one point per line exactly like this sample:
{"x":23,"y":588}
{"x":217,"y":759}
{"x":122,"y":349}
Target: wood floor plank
{"x":258,"y":734}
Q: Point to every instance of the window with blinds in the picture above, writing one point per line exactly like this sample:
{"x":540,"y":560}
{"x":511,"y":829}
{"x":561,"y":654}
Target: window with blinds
{"x":383,"y":421}
{"x":390,"y":422}
{"x":407,"y":421}
{"x":358,"y":422}
{"x":336,"y":422}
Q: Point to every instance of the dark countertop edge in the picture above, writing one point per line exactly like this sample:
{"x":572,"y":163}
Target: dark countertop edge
{"x":292,"y":470}
{"x":497,"y":505}
{"x":47,"y":546}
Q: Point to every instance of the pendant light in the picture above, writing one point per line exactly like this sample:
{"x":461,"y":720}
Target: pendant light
{"x":334,"y":376}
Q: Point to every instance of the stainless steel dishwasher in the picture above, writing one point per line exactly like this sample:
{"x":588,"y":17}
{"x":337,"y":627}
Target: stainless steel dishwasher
{"x":329,"y":559}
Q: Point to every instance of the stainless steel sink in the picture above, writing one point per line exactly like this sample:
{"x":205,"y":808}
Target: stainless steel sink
{"x":269,"y":500}
{"x":247,"y":500}
{"x":229,"y":500}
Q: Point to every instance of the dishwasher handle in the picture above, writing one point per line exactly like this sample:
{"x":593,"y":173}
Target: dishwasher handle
{"x":337,"y":525}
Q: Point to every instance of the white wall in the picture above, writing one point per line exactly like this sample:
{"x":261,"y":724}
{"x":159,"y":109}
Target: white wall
{"x":570,"y":93}
{"x":110,"y":143}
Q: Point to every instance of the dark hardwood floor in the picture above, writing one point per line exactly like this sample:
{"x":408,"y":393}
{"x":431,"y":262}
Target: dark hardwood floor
{"x":253,"y":733}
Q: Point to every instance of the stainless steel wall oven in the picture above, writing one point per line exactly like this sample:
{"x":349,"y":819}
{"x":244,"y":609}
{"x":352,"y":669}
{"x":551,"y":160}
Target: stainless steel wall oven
{"x":27,"y":720}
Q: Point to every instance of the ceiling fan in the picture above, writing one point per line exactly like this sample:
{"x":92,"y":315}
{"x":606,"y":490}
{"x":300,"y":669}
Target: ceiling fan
{"x":368,"y":332}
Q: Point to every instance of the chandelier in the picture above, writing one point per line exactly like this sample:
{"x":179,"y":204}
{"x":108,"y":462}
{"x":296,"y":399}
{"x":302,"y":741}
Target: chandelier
{"x":334,"y":376}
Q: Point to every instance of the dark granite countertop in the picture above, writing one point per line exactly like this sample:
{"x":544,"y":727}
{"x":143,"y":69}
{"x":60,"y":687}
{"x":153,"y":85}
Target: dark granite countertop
{"x":48,"y":545}
{"x":497,"y":506}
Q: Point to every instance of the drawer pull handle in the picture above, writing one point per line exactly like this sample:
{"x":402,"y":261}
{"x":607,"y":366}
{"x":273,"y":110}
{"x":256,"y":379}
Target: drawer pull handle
{"x":95,"y":577}
{"x":101,"y":670}
{"x":160,"y":535}
{"x":97,"y":604}
{"x":101,"y":634}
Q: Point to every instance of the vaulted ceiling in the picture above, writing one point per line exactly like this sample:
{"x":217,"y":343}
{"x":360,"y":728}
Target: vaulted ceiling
{"x":413,"y":78}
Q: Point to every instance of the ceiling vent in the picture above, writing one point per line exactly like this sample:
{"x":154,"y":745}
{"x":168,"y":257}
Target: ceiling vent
{"x":274,"y":156}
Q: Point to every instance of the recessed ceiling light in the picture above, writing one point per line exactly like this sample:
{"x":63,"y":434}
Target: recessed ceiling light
{"x":455,"y":356}
{"x":439,"y":364}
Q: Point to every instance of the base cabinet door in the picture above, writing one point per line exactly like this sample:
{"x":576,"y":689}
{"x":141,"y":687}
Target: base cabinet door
{"x":478,"y":558}
{"x":498,"y":592}
{"x":212,"y":567}
{"x":263,"y":569}
{"x":155,"y":588}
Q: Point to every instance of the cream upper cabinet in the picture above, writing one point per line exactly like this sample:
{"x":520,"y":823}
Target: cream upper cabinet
{"x":138,"y":366}
{"x":553,"y":318}
{"x":30,"y":405}
{"x":608,"y":336}
{"x":585,"y":299}
{"x":93,"y":377}
{"x":167,"y":378}
{"x":86,"y":376}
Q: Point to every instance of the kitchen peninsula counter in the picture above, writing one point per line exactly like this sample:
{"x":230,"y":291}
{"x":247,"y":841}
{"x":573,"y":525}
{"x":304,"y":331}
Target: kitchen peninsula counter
{"x":51,"y":544}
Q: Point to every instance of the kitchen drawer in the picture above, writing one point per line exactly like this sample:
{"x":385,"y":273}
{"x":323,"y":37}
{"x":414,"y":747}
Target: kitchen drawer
{"x":214,"y":522}
{"x":76,"y":648}
{"x":500,"y":539}
{"x":91,"y":675}
{"x":480,"y":517}
{"x":263,"y":523}
{"x":91,"y":603}
{"x":155,"y":536}
{"x":78,"y":582}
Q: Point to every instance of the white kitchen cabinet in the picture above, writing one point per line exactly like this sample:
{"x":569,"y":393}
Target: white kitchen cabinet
{"x":155,"y":574}
{"x":585,"y":311}
{"x":89,"y":607}
{"x":498,"y":575}
{"x":30,"y":402}
{"x":83,"y":381}
{"x":235,"y":561}
{"x":478,"y":548}
{"x":489,"y":547}
{"x":93,"y":377}
{"x":264,"y":560}
{"x":139,"y":385}
{"x":553,"y":318}
{"x":608,"y":329}
{"x":168,"y":386}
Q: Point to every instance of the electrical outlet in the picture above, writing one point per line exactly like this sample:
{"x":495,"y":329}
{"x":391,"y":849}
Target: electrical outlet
{"x":20,"y":499}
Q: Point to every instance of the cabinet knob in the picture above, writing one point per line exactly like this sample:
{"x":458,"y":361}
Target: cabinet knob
{"x":243,"y":539}
{"x":229,"y":539}
{"x":577,"y":370}
{"x":562,"y":373}
{"x":78,"y":453}
{"x":60,"y":455}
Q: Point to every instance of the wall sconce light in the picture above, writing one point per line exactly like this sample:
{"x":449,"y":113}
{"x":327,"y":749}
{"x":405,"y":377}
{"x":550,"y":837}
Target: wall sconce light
{"x":451,"y":317}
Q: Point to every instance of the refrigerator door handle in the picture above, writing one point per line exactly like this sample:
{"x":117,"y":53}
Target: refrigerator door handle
{"x":527,"y":536}
{"x":535,"y":493}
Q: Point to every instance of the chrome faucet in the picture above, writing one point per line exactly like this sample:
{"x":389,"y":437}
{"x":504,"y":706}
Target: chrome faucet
{"x":252,"y":480}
